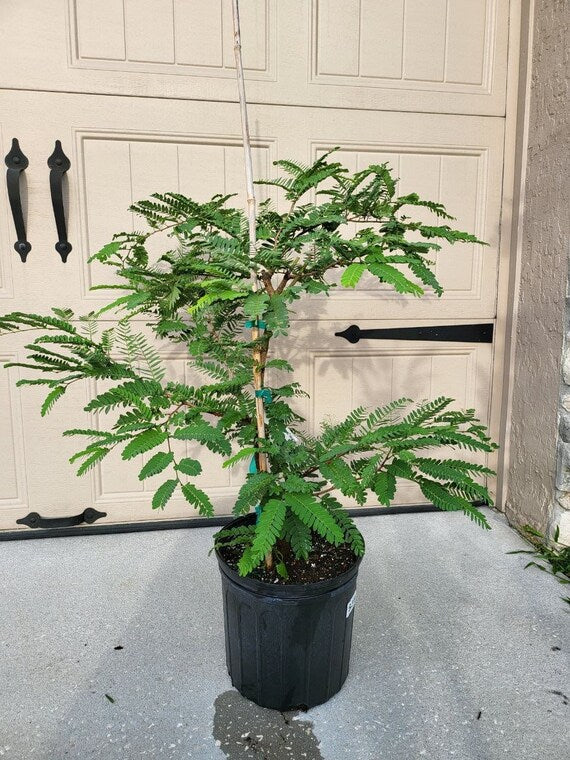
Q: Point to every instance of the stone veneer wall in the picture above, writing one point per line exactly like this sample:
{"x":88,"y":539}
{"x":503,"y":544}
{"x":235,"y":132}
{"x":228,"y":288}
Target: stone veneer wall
{"x":539,"y":467}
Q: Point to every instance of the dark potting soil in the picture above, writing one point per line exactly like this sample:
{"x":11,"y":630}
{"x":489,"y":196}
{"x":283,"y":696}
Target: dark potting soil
{"x":325,"y":561}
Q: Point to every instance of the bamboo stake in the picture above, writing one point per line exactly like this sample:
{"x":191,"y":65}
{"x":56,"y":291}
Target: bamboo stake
{"x":258,"y":358}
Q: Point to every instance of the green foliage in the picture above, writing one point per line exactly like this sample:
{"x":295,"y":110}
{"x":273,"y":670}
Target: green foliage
{"x":198,"y":499}
{"x":156,"y":464}
{"x":213,"y":438}
{"x":298,"y":535}
{"x":352,"y":274}
{"x":189,"y":466}
{"x":384,"y":486}
{"x":163,"y":494}
{"x":267,"y":530}
{"x":198,"y":294}
{"x":549,"y":556}
{"x":51,"y":398}
{"x":137,"y":352}
{"x":352,"y":536}
{"x":255,"y":304}
{"x":243,"y":454}
{"x":254,"y":490}
{"x":143,"y":442}
{"x":242,"y":535}
{"x":311,"y":512}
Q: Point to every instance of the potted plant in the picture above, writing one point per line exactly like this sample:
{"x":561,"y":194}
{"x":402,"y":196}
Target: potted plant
{"x":225,"y":288}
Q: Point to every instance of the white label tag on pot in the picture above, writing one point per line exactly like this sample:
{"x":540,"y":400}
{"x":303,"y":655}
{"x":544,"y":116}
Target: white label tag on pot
{"x":350,"y":605}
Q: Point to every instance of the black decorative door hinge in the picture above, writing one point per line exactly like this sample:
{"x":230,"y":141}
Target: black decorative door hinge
{"x":481,"y":333}
{"x":35,"y":520}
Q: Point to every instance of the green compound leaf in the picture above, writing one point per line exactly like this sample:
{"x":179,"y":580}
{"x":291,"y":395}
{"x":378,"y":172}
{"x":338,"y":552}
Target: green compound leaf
{"x":299,"y":536}
{"x":156,"y":464}
{"x":243,"y":454}
{"x":255,"y":304}
{"x":163,"y":494}
{"x":393,"y":276}
{"x":204,"y":433}
{"x":92,"y":460}
{"x":442,"y":499}
{"x":385,"y":487}
{"x":352,"y":274}
{"x":315,"y":516}
{"x":51,"y":398}
{"x":189,"y":466}
{"x":198,"y":499}
{"x":144,"y":441}
{"x":268,"y":527}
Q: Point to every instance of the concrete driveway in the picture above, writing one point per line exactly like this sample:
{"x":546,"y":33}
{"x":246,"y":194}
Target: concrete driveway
{"x":112,"y":647}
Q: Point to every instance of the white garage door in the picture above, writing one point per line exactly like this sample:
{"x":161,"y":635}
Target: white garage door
{"x":139,"y":92}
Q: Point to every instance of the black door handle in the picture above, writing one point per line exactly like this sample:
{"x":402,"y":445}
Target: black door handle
{"x":17,"y":162}
{"x":59,"y":163}
{"x":35,"y":520}
{"x":481,"y":333}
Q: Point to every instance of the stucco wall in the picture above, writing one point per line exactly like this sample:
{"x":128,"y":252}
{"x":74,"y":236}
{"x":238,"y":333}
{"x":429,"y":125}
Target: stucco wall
{"x":540,"y":322}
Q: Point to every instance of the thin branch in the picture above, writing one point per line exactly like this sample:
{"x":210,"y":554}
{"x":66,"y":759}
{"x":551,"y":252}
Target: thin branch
{"x":325,"y":490}
{"x":282,"y":285}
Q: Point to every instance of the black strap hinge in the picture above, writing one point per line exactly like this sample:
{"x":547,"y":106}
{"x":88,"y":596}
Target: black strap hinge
{"x":480,"y":333}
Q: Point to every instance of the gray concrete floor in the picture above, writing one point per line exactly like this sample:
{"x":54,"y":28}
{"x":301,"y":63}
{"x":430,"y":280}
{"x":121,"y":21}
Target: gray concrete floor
{"x":458,"y":652}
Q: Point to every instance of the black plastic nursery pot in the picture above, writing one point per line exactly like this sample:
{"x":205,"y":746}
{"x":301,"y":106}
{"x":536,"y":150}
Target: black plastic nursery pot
{"x":287,"y":646}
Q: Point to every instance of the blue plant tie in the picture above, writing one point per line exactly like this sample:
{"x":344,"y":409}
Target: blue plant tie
{"x":265,"y":394}
{"x":259,"y":323}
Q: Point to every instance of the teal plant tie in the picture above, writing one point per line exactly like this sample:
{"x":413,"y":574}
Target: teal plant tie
{"x":259,"y":323}
{"x":265,"y":394}
{"x":253,"y":469}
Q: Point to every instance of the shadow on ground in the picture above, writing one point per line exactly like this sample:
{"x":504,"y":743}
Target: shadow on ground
{"x":244,"y":731}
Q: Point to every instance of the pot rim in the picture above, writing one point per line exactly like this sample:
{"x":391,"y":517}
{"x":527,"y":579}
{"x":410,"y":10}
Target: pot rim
{"x":284,"y":590}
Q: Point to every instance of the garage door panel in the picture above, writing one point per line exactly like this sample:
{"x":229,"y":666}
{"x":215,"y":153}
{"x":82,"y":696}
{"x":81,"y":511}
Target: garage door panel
{"x":395,"y":54}
{"x":34,"y":455}
{"x":14,"y":490}
{"x":116,"y":479}
{"x":98,"y":29}
{"x":424,"y":41}
{"x":454,"y":159}
{"x":340,"y":377}
{"x":172,"y":37}
{"x":466,"y":179}
{"x":121,"y":169}
{"x":386,"y":81}
{"x":7,"y":238}
{"x":381,"y":61}
{"x":437,"y":46}
{"x":414,"y":55}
